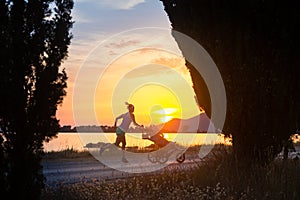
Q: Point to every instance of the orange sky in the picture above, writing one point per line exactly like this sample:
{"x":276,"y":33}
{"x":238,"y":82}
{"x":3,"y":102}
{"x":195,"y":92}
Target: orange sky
{"x":129,"y":65}
{"x":155,"y":81}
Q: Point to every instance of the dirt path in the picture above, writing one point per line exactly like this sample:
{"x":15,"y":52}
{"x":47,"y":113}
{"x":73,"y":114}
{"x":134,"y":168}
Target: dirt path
{"x":87,"y":169}
{"x":68,"y":171}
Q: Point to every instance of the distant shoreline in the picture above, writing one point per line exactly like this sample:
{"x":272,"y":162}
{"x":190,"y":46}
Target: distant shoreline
{"x":130,"y":132}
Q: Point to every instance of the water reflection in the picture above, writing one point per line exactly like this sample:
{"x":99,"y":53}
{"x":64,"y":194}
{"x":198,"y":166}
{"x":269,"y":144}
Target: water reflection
{"x":79,"y":142}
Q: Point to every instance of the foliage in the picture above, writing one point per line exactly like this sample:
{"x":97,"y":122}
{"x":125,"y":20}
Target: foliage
{"x":34,"y":40}
{"x":255,"y":44}
{"x":69,"y":153}
{"x":216,"y":178}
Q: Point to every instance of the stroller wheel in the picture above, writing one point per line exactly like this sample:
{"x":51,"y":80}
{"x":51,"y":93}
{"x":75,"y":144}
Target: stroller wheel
{"x":162,"y":159}
{"x":180,"y":157}
{"x":152,"y":157}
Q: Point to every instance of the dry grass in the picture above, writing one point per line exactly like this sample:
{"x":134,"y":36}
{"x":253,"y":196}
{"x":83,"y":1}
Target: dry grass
{"x":216,"y":178}
{"x":66,"y":154}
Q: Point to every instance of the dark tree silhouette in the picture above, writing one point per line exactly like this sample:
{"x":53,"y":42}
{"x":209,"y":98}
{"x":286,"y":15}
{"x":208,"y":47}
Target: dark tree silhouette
{"x":255,"y":44}
{"x":34,"y":40}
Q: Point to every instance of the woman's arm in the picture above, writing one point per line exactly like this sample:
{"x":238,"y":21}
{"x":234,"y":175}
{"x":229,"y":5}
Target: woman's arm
{"x":133,"y":120}
{"x":117,"y":118}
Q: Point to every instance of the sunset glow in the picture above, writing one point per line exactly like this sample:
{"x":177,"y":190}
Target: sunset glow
{"x":166,"y":136}
{"x":156,"y":82}
{"x":166,"y":119}
{"x":148,"y":105}
{"x":152,"y":75}
{"x":167,"y":114}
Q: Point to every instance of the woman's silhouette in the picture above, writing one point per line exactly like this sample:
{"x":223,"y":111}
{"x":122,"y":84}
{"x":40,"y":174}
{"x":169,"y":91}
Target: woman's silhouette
{"x":127,"y":119}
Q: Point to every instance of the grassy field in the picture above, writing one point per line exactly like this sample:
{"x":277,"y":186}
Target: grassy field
{"x":217,"y":178}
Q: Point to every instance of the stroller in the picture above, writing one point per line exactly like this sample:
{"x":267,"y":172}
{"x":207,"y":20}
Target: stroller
{"x":162,"y":154}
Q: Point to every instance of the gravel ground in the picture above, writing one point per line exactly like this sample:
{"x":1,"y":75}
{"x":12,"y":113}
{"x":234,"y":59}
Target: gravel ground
{"x":69,"y":171}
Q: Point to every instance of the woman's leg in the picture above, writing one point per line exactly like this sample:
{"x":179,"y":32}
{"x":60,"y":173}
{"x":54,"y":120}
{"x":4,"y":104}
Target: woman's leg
{"x":118,"y":140}
{"x":123,"y":140}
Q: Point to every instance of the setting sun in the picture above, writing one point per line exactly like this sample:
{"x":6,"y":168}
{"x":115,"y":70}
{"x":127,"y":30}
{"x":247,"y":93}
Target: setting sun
{"x":167,"y":114}
{"x":156,"y":82}
{"x":166,"y":119}
{"x":166,"y":136}
{"x":155,"y":109}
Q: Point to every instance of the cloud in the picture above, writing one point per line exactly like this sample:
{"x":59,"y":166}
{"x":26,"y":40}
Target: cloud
{"x":115,"y":4}
{"x":150,"y":70}
{"x":122,"y":43}
{"x":121,"y":4}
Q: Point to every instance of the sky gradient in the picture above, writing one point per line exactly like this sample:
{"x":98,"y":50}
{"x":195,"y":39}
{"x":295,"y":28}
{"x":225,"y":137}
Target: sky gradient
{"x":115,"y":57}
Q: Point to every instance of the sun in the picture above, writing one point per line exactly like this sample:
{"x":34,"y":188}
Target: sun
{"x":167,"y":114}
{"x":165,"y":119}
{"x":166,"y":136}
{"x":155,"y":104}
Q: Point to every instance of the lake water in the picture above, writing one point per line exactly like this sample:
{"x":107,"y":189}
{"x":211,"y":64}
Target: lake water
{"x":78,"y":141}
